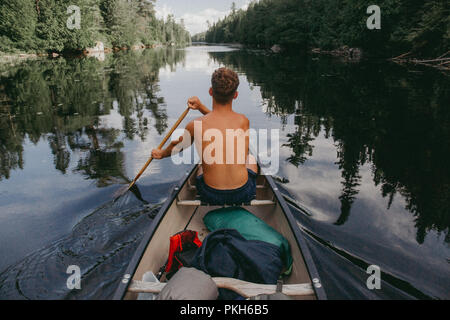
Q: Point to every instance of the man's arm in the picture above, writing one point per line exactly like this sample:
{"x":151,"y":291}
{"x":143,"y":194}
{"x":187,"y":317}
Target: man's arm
{"x":176,"y":146}
{"x":195,"y":104}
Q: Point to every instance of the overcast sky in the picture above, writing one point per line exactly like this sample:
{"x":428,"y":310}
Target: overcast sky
{"x":196,"y":12}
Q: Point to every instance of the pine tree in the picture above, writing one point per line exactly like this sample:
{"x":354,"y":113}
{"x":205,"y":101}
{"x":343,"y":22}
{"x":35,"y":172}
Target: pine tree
{"x":42,"y":25}
{"x":18,"y":23}
{"x":407,"y":25}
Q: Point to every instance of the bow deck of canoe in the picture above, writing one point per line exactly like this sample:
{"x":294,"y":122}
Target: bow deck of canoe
{"x":183,"y":210}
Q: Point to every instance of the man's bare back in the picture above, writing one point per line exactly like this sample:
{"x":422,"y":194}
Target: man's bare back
{"x":229,"y":170}
{"x":222,"y":137}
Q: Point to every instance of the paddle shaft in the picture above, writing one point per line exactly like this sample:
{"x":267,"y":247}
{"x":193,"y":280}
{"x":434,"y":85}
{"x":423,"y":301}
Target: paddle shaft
{"x":163,"y":142}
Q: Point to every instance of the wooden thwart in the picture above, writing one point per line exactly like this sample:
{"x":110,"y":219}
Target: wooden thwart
{"x":197,"y":203}
{"x":243,"y":288}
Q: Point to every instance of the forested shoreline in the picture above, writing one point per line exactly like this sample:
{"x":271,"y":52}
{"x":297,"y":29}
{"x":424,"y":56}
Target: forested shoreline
{"x":40,"y":26}
{"x":419,"y":28}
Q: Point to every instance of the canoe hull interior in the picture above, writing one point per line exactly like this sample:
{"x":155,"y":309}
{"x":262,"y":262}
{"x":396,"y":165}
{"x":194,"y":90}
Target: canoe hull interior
{"x":174,"y":216}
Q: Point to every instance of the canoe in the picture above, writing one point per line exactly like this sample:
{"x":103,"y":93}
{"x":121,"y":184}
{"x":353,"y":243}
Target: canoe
{"x":183,"y":210}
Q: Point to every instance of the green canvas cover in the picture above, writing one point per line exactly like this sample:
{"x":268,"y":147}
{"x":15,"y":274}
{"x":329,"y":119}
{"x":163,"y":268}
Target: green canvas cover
{"x":250,"y":227}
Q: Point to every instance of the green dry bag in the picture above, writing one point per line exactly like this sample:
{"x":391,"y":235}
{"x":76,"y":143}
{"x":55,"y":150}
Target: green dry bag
{"x":250,"y":227}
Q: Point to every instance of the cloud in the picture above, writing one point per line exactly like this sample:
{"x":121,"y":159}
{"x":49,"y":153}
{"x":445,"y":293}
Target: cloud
{"x":197,"y":22}
{"x":245,"y":6}
{"x":194,"y":22}
{"x":163,"y":12}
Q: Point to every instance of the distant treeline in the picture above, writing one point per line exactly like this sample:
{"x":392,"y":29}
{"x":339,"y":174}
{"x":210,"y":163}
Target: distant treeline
{"x":41,"y":25}
{"x":422,"y":27}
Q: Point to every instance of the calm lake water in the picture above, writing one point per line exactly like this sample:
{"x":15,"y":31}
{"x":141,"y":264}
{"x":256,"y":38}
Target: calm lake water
{"x":364,"y":158}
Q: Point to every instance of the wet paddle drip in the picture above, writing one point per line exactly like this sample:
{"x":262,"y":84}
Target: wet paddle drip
{"x":101,"y":244}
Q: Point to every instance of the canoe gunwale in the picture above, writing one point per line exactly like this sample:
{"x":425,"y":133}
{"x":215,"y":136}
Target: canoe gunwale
{"x":138,"y":254}
{"x":301,"y":242}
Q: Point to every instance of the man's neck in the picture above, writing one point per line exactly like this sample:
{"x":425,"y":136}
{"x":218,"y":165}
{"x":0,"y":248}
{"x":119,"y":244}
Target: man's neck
{"x":222,"y":107}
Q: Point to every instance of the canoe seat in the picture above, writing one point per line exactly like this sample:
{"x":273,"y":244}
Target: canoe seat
{"x":197,"y":203}
{"x":192,"y":187}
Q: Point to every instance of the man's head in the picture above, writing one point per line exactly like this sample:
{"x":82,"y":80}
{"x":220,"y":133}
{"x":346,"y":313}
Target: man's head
{"x":224,"y":85}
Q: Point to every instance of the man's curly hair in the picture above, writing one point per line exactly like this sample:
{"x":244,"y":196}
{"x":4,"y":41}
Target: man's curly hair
{"x":224,"y":84}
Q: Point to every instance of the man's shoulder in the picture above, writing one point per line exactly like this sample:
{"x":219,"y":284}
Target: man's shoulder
{"x":212,"y":118}
{"x":201,"y":119}
{"x":190,"y":126}
{"x":242,"y":118}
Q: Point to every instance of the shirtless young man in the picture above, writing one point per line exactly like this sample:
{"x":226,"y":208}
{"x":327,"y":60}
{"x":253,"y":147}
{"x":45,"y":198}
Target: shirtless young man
{"x":227,"y":176}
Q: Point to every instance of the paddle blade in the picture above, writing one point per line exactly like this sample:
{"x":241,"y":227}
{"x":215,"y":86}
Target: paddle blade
{"x":120,"y":192}
{"x":131,"y":187}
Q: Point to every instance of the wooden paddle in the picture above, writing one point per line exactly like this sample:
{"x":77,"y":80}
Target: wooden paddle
{"x":163,"y":142}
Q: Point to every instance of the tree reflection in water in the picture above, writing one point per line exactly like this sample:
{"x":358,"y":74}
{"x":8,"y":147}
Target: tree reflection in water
{"x":396,"y":121}
{"x":62,"y":101}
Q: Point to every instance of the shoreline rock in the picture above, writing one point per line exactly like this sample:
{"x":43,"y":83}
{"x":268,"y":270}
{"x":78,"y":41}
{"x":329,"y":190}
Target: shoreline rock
{"x":99,"y":47}
{"x":276,"y":48}
{"x":351,"y":54}
{"x":19,"y":57}
{"x":98,"y":51}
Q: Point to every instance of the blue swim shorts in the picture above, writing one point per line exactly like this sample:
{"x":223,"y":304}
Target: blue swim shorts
{"x":239,"y":196}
